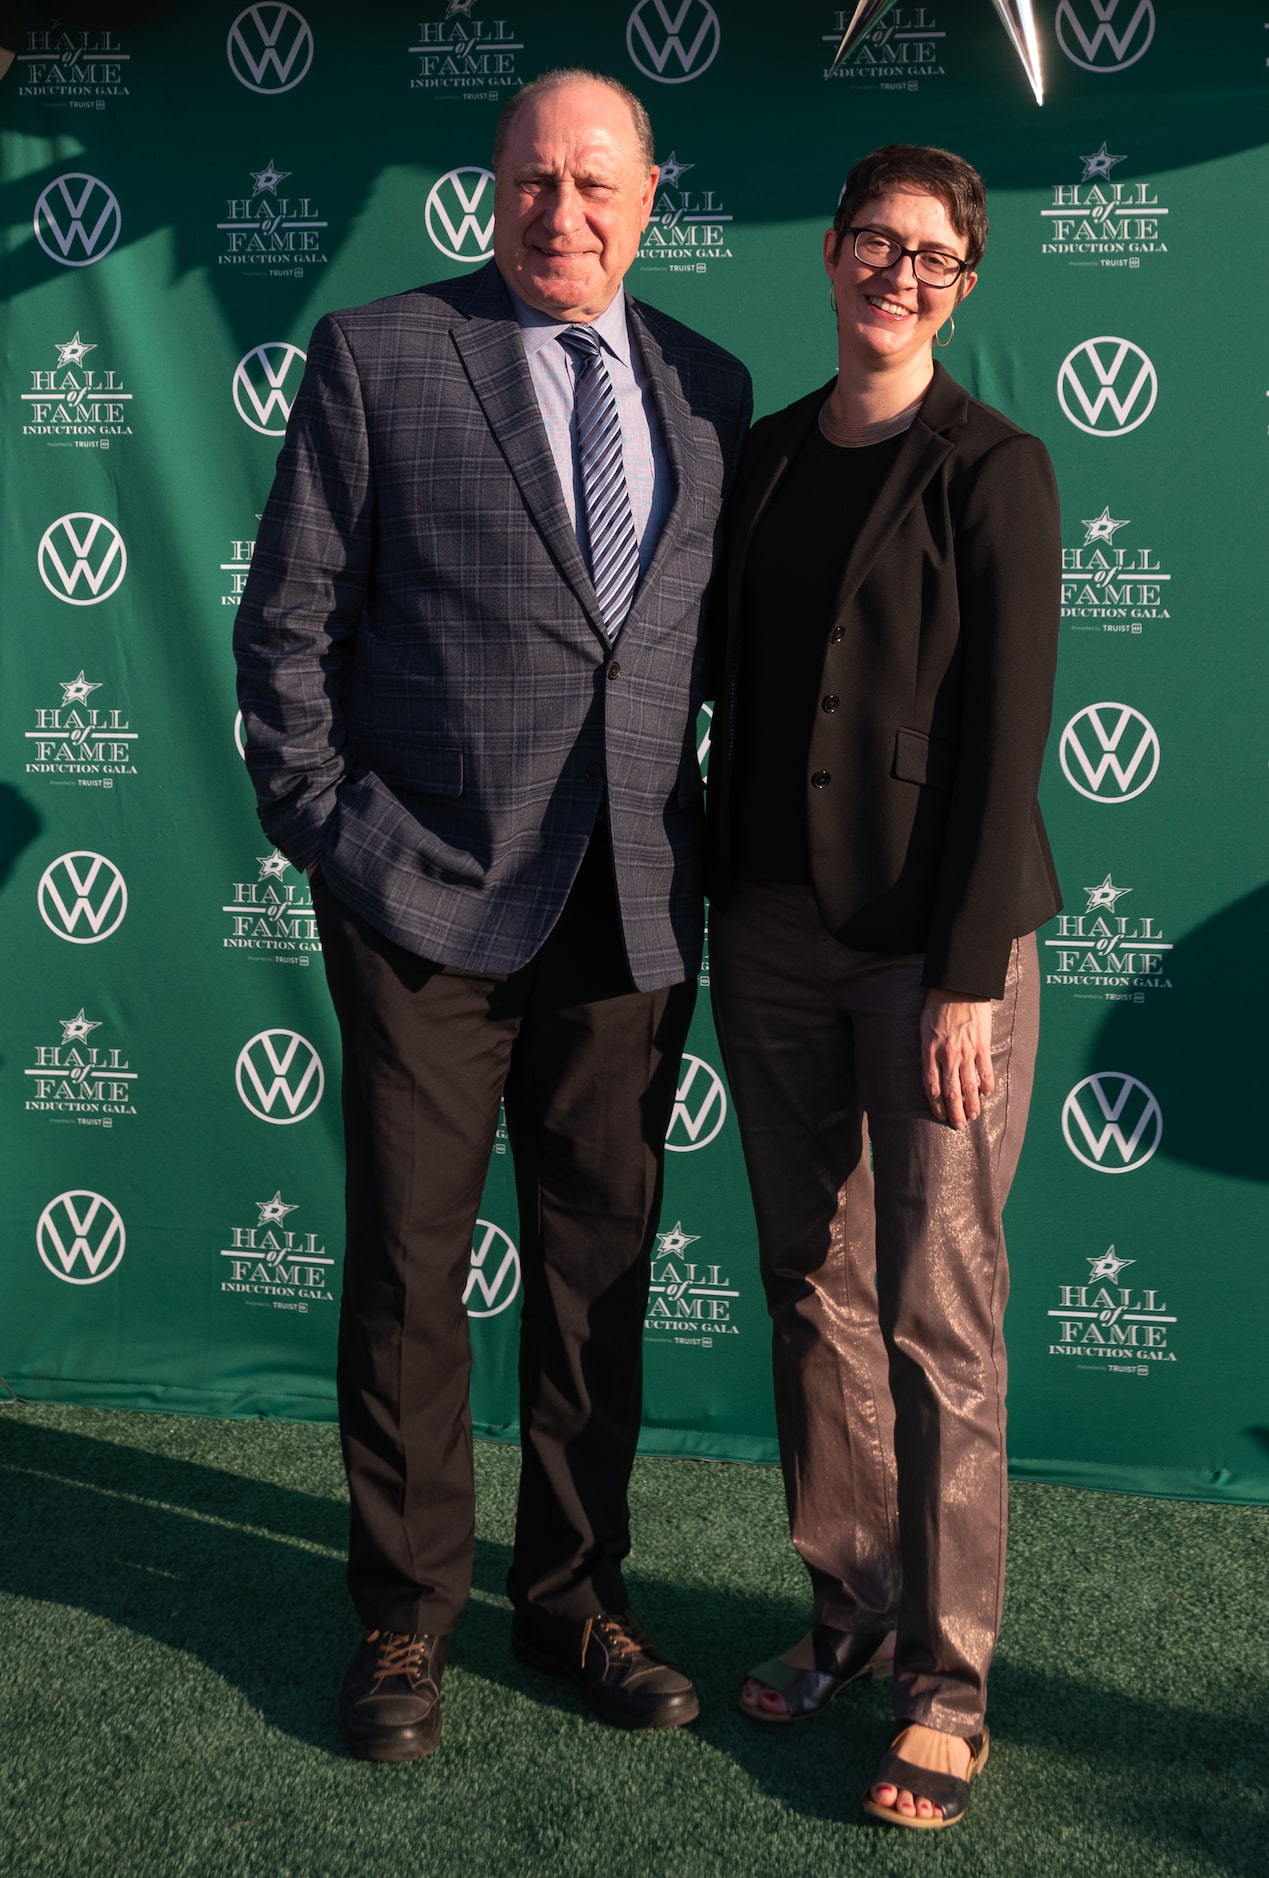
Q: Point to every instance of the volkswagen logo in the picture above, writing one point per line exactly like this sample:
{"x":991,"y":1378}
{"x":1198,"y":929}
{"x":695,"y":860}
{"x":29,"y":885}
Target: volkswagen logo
{"x":700,"y":1107}
{"x":82,"y":549}
{"x":493,"y":1279}
{"x":453,"y":214}
{"x":279,"y":1076}
{"x":270,"y":48}
{"x":266,"y":380}
{"x":1109,"y":752}
{"x":82,"y":897}
{"x":1104,"y":35}
{"x":1112,"y":1122}
{"x":77,"y":219}
{"x":1107,"y":387}
{"x":80,"y":1228}
{"x":673,"y":43}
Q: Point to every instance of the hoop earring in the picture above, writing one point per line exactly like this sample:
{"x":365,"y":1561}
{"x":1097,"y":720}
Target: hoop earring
{"x":951,"y":321}
{"x":832,"y":299}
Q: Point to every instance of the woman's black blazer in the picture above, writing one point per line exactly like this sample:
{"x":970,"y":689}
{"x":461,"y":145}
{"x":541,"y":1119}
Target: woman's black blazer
{"x":921,"y":778}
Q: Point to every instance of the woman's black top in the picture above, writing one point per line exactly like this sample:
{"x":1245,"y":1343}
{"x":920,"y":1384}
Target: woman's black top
{"x":792,"y":575}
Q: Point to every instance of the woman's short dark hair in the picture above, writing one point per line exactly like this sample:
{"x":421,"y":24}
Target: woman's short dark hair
{"x":940,"y":173}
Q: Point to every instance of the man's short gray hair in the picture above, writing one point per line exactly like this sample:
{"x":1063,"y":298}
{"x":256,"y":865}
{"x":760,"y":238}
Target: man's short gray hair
{"x":574,"y":75}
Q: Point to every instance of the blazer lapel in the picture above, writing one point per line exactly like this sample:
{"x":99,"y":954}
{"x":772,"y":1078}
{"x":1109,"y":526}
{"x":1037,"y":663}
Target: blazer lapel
{"x":489,"y":344}
{"x":674,"y":417}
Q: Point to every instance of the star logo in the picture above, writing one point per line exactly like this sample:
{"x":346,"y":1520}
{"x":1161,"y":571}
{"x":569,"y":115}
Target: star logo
{"x":672,"y":169}
{"x":267,"y":180}
{"x":456,"y":7}
{"x":1108,"y":1266}
{"x":1101,"y":527}
{"x":272,"y":866}
{"x":72,"y":351}
{"x":75,"y":1029}
{"x":1101,"y":163}
{"x":76,"y":690}
{"x":274,"y":1211}
{"x":671,"y":1244}
{"x":1102,"y":899}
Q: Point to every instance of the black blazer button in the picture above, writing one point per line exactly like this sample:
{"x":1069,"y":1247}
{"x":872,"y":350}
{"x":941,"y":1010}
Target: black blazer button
{"x":831,"y":702}
{"x":821,"y":779}
{"x":837,"y":635}
{"x":614,"y":671}
{"x":594,"y":774}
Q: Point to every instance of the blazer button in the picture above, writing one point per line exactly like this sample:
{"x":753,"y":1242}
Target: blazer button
{"x":831,"y":702}
{"x":837,"y":635}
{"x":821,"y":779}
{"x":594,"y":774}
{"x":614,"y":671}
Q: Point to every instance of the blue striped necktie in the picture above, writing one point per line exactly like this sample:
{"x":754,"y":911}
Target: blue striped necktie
{"x":610,"y":530}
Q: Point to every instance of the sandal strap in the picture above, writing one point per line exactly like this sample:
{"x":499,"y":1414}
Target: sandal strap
{"x":949,"y":1792}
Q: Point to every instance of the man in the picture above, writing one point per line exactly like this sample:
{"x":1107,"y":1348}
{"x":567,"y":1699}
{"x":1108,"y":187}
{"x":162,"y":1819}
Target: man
{"x":470,"y":660}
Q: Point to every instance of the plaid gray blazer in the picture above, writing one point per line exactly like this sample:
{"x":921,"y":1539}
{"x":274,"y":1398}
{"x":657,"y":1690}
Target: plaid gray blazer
{"x":431,"y":706}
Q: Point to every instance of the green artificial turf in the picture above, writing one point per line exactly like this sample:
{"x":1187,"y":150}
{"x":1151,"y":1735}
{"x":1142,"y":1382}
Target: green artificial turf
{"x":173,"y":1630}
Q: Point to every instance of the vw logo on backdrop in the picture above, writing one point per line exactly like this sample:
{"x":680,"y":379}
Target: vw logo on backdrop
{"x":673,"y":43}
{"x":77,"y":219}
{"x":1107,"y":386}
{"x":700,"y":1107}
{"x":1104,"y":35}
{"x":1109,"y":752}
{"x":82,"y":886}
{"x":80,"y":1225}
{"x":1112,"y":1122}
{"x":266,"y":380}
{"x":280,"y":1076}
{"x":493,"y":1278}
{"x":82,"y":547}
{"x":270,"y":47}
{"x":453,"y":214}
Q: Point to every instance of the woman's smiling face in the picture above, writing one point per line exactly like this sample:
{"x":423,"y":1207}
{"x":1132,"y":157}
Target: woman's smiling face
{"x":885,"y":313}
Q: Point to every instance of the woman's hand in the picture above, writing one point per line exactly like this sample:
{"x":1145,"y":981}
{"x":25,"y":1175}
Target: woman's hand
{"x":956,"y":1056}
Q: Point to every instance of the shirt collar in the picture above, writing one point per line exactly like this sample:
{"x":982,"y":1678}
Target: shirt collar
{"x":539,"y":329}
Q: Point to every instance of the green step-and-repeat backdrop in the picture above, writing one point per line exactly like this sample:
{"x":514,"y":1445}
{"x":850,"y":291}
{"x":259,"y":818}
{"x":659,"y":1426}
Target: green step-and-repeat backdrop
{"x":182,"y":198}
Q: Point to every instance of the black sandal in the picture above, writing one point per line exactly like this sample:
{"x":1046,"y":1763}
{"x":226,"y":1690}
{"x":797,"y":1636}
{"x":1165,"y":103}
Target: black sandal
{"x":841,"y":1657}
{"x":923,"y":1783}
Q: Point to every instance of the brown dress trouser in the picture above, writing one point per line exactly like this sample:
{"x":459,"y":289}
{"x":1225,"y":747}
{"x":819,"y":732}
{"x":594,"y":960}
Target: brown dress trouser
{"x":886,"y":1305}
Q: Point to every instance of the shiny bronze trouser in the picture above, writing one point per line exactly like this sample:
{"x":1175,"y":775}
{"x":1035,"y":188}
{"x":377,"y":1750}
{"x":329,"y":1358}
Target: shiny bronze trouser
{"x":889,"y":1389}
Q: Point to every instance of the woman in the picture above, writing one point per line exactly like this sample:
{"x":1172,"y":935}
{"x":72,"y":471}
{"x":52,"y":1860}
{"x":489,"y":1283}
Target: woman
{"x":880,"y":867}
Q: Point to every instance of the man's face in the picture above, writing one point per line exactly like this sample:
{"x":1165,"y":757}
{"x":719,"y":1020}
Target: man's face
{"x":571,"y":199}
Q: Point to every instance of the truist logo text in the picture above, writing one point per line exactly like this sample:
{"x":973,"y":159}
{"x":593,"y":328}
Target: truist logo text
{"x":700,"y":1107}
{"x":279,"y":1076}
{"x":689,"y":227}
{"x":1124,"y":1329}
{"x":904,"y":46}
{"x":89,"y":744}
{"x":266,"y":381}
{"x":1109,"y":752}
{"x":459,"y":214}
{"x":689,"y":1301}
{"x":460,"y":56}
{"x":77,"y":219}
{"x":270,"y":47}
{"x":81,"y":1079}
{"x":275,"y":1265}
{"x":673,"y":41}
{"x":493,"y":1277}
{"x":82,"y":558}
{"x":82,"y":897}
{"x":1104,"y":35}
{"x":80,"y":1237}
{"x":1112,"y":1123}
{"x":1107,"y":386}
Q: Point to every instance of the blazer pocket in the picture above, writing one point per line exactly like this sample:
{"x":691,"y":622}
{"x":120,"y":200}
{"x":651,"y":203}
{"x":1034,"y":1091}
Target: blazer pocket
{"x":922,"y":759}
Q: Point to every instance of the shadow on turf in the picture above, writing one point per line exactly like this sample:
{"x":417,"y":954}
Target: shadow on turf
{"x":138,"y":1539}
